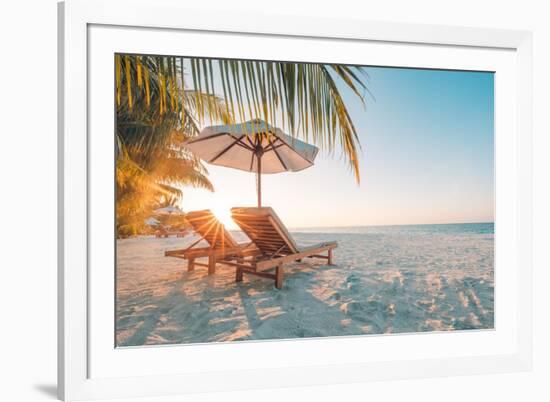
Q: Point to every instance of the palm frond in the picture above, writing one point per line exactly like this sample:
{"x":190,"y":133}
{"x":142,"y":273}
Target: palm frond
{"x":158,"y":109}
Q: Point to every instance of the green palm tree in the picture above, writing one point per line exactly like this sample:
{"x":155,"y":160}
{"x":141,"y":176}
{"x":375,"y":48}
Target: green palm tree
{"x":303,"y":98}
{"x":152,"y":165}
{"x":156,"y":112}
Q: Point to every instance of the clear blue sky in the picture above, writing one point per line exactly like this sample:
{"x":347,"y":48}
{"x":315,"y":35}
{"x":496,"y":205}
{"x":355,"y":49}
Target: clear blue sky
{"x":427,"y":157}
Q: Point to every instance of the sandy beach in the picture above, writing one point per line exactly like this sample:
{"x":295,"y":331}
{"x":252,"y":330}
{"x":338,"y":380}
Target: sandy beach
{"x":385,"y":280}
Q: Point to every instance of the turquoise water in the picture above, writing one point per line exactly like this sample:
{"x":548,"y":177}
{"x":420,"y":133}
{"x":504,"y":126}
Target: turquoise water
{"x":427,"y":229}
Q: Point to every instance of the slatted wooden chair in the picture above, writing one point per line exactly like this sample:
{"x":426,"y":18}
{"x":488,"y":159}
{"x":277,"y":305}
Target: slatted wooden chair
{"x":275,"y":244}
{"x":221,"y":244}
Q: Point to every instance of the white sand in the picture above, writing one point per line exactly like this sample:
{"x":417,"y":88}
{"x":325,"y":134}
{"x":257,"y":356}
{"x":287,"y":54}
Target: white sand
{"x":382,"y":283}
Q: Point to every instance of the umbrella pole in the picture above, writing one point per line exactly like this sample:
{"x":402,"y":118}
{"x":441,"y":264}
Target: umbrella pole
{"x":259,"y":181}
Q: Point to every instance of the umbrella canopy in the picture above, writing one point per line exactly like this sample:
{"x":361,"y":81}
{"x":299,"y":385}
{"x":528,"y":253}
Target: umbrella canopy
{"x":253,"y":146}
{"x":151,"y":221}
{"x":169,"y":210}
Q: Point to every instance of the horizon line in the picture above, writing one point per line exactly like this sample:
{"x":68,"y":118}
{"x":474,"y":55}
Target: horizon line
{"x":386,"y":225}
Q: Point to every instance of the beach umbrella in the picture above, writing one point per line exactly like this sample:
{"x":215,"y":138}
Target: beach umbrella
{"x":152,"y":221}
{"x":253,"y":146}
{"x":169,"y":210}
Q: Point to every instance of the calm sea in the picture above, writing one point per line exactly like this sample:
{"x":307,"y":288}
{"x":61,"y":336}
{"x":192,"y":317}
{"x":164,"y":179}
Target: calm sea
{"x":448,"y":228}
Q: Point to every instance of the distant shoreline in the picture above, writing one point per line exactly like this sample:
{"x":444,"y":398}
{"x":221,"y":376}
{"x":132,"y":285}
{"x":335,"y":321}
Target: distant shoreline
{"x":389,"y":225}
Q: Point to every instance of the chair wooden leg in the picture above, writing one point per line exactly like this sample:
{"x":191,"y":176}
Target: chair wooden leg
{"x":191,"y":264}
{"x":239,"y":276}
{"x":330,"y":257}
{"x":211,"y":265}
{"x":279,"y":276}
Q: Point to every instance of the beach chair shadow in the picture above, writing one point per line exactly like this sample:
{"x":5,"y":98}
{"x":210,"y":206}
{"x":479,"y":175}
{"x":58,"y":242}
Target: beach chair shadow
{"x":294,"y":313}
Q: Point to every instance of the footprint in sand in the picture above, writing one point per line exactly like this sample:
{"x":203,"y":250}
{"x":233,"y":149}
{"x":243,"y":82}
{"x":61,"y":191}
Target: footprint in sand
{"x":426,"y":305}
{"x":367,"y":312}
{"x":353,"y":283}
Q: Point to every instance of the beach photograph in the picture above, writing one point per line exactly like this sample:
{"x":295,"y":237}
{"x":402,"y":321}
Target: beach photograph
{"x":265,"y":200}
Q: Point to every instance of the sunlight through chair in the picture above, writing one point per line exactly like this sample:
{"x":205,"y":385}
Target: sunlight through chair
{"x":221,"y":244}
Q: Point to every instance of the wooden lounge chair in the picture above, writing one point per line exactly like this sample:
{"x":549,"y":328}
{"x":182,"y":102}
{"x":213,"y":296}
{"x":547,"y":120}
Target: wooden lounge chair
{"x":276,"y":246}
{"x":221,"y":244}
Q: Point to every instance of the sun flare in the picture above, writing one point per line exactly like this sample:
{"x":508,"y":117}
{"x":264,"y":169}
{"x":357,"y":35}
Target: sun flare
{"x":223,"y":213}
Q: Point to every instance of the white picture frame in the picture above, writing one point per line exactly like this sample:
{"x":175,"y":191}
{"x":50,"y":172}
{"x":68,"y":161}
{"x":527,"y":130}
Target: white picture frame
{"x":80,"y":34}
